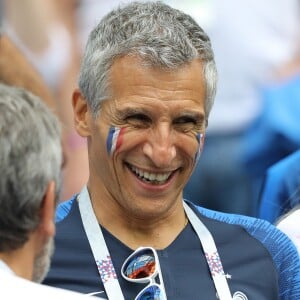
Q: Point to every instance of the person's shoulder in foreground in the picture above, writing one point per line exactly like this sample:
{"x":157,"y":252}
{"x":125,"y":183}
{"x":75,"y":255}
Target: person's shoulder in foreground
{"x":281,"y":190}
{"x":14,"y":287}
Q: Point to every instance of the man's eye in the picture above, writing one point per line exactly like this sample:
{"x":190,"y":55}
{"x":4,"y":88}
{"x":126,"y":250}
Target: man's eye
{"x":187,"y":124}
{"x":185,"y":120}
{"x":138,"y":119}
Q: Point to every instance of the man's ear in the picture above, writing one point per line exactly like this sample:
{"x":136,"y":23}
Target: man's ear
{"x":47,"y":211}
{"x":81,"y":114}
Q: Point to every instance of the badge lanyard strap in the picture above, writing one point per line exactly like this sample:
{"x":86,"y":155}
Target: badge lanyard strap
{"x":211,"y":254}
{"x":103,"y":259}
{"x":97,"y":243}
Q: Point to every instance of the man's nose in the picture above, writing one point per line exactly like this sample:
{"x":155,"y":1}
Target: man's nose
{"x":160,"y":147}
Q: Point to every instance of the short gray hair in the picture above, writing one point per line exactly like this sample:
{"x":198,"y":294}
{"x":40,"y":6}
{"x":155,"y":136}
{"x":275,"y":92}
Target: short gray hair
{"x":30,"y":157}
{"x":162,"y":36}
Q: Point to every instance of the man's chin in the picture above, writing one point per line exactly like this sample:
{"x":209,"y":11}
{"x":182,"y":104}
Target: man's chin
{"x":42,"y":261}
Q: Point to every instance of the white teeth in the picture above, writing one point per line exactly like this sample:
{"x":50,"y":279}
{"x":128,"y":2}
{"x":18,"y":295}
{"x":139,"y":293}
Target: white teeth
{"x":157,"y":178}
{"x":161,"y":177}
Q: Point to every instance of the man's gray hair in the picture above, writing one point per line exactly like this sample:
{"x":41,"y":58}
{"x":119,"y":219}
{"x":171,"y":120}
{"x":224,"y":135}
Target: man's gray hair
{"x":160,"y":35}
{"x":30,"y":157}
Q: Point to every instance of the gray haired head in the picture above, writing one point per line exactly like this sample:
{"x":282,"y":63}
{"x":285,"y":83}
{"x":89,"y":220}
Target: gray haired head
{"x":30,"y":157}
{"x":161,"y":36}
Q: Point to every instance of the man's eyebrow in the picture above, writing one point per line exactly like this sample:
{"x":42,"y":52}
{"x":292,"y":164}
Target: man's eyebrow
{"x":129,"y":111}
{"x":197,"y":116}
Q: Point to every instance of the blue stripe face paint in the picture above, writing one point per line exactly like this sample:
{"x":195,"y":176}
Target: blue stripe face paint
{"x":114,"y":139}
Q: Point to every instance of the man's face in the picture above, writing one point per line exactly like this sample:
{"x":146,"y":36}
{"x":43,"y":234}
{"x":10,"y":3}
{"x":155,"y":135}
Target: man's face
{"x":144,"y":144}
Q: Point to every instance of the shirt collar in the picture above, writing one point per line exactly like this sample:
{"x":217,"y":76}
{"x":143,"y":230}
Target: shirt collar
{"x":4,"y":267}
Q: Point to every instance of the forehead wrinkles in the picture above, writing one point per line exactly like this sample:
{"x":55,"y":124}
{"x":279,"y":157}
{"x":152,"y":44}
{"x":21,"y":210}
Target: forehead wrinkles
{"x":143,"y":105}
{"x":144,"y":92}
{"x":128,"y":72}
{"x":156,"y":97}
{"x":135,"y":86}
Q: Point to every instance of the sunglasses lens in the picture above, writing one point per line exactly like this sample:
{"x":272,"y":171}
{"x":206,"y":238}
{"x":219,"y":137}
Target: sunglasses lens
{"x":152,"y":292}
{"x":140,"y":265}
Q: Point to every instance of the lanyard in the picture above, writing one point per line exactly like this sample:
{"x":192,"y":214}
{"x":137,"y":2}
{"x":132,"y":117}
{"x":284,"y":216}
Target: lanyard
{"x":211,"y":254}
{"x":97,"y":243}
{"x":103,"y":259}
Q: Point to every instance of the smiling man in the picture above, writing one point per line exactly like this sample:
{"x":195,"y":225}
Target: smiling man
{"x":146,"y":88}
{"x":146,"y":139}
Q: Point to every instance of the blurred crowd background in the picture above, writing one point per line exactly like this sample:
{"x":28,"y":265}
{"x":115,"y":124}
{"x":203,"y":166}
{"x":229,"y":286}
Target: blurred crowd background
{"x":255,"y":121}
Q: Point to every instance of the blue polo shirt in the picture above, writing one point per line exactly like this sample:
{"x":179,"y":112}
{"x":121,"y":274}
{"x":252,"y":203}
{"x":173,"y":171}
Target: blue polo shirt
{"x":261,"y":261}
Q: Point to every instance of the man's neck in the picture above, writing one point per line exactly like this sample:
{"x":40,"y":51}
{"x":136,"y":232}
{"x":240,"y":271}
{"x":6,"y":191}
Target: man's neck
{"x":159,"y":236}
{"x":157,"y":232}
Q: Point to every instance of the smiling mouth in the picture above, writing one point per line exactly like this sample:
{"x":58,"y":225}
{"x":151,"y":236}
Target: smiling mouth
{"x":150,"y":177}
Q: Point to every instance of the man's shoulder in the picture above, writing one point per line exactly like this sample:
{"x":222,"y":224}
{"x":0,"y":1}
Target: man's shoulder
{"x":234,"y":219}
{"x":279,"y":247}
{"x":47,"y":292}
{"x":263,"y":231}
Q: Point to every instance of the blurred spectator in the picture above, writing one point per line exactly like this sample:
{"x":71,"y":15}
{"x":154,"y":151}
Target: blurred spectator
{"x":16,"y":70}
{"x":273,"y":155}
{"x":46,"y":31}
{"x":274,"y":135}
{"x":251,"y":40}
{"x":42,"y":30}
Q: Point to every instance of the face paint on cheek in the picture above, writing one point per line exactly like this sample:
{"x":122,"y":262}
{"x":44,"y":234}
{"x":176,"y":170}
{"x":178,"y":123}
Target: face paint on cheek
{"x":200,"y":139}
{"x":114,"y":139}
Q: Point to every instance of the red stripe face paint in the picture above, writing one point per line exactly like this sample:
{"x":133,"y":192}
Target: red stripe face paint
{"x":114,"y":139}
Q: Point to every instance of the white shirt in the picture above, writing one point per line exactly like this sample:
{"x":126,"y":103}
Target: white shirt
{"x":14,"y":287}
{"x":290,"y":225}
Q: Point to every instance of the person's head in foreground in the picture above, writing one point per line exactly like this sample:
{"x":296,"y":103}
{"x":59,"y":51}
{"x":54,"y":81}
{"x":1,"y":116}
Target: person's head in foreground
{"x":30,"y":167}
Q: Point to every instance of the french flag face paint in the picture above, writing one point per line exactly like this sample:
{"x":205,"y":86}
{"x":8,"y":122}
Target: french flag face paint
{"x":114,"y":139}
{"x":200,"y":139}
